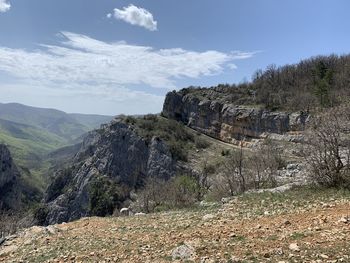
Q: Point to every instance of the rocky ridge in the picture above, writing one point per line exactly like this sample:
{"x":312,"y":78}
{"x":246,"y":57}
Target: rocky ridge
{"x":211,"y":112}
{"x":9,"y":185}
{"x":115,"y":153}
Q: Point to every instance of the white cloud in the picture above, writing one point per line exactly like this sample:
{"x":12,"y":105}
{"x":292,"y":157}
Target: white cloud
{"x":81,"y":68}
{"x":86,"y":99}
{"x":136,"y":16}
{"x":232,"y":66}
{"x":81,"y":60}
{"x":4,"y":6}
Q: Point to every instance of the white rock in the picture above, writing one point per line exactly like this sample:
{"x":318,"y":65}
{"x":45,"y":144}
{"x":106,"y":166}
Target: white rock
{"x":294,"y":247}
{"x":208,"y":217}
{"x":344,"y":219}
{"x":52,"y":230}
{"x":183,"y":252}
{"x":225,"y":200}
{"x":140,"y":214}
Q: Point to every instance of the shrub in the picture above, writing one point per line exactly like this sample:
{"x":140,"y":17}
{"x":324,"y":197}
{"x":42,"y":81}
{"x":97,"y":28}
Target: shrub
{"x":225,"y":152}
{"x":185,"y":190}
{"x":104,"y":197}
{"x":328,"y":148}
{"x":201,"y":143}
{"x":171,"y":132}
{"x":40,"y":214}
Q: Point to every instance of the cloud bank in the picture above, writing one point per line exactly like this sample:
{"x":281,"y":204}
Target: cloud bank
{"x":83,"y":60}
{"x":133,"y":77}
{"x":4,"y":6}
{"x":135,"y":16}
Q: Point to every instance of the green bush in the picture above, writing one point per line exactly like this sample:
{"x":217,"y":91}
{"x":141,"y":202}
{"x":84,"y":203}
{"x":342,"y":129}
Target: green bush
{"x":174,"y":134}
{"x":186,"y":190}
{"x":40,"y":213}
{"x":104,"y":196}
{"x":225,"y":152}
{"x":201,"y":143}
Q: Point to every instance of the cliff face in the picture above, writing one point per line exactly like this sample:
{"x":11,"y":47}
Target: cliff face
{"x":115,"y":153}
{"x":225,"y":121}
{"x":9,"y":188}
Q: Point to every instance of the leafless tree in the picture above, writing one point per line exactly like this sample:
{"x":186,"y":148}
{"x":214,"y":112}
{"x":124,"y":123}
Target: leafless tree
{"x":328,"y":147}
{"x":202,"y":179}
{"x":233,"y":171}
{"x":263,"y":165}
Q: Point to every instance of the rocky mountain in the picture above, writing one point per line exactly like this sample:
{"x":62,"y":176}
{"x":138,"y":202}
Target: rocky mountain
{"x":9,"y":180}
{"x":113,"y":157}
{"x":212,"y":112}
{"x":117,"y":158}
{"x":31,"y":134}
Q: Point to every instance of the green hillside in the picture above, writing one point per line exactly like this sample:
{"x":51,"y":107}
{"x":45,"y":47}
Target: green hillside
{"x":91,"y":121}
{"x":28,"y":144}
{"x":32,"y":134}
{"x":68,"y":127}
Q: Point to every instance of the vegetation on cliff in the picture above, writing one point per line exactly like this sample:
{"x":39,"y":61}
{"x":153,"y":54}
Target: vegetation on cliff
{"x":320,"y":81}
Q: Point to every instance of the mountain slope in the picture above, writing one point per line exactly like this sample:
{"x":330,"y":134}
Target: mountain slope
{"x":32,"y":133}
{"x":28,"y":144}
{"x":9,"y":176}
{"x":114,"y":160}
{"x":66,"y":126}
{"x":91,"y":121}
{"x":249,"y":228}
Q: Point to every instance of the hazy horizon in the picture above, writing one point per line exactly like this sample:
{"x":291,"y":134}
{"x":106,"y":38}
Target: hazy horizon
{"x":122,"y":57}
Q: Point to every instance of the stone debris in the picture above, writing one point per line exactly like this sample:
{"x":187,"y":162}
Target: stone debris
{"x":294,"y":247}
{"x":183,"y":252}
{"x":345,"y":220}
{"x":295,"y":230}
{"x":208,"y":217}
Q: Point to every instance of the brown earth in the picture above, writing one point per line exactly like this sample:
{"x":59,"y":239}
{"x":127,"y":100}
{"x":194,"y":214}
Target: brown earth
{"x":301,"y":225}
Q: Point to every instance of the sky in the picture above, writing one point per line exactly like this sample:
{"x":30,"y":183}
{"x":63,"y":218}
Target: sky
{"x":119,"y":56}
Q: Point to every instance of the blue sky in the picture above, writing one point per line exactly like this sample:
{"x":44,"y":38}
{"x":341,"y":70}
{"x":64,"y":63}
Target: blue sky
{"x":118,"y":56}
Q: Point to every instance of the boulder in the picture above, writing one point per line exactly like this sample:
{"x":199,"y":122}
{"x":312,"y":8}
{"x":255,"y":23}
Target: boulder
{"x":183,"y":252}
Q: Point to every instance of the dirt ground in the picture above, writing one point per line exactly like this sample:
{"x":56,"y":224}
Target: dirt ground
{"x":301,"y":225}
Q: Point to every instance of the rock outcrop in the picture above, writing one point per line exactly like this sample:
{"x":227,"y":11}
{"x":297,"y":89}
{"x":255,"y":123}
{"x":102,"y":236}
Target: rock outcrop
{"x":116,"y":153}
{"x":9,"y":186}
{"x":226,"y":121}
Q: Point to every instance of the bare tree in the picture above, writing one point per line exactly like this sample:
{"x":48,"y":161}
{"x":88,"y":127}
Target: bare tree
{"x":328,"y":147}
{"x":263,"y":166}
{"x":202,"y":179}
{"x":233,"y":172}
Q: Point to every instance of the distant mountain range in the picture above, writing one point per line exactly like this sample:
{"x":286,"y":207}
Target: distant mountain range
{"x":31,"y":133}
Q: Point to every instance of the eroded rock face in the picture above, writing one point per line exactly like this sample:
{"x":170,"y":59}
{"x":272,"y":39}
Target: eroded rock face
{"x":115,"y":152}
{"x":226,"y":121}
{"x":9,"y":192}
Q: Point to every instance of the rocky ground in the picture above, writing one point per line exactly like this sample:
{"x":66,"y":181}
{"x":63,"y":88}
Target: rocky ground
{"x":300,"y":225}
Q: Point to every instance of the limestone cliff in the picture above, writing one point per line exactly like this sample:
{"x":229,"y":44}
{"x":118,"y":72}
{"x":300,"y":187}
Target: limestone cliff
{"x":216,"y":116}
{"x":116,"y":154}
{"x":9,"y":186}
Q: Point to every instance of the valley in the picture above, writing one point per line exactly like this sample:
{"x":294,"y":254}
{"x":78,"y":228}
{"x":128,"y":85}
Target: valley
{"x":31,"y":134}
